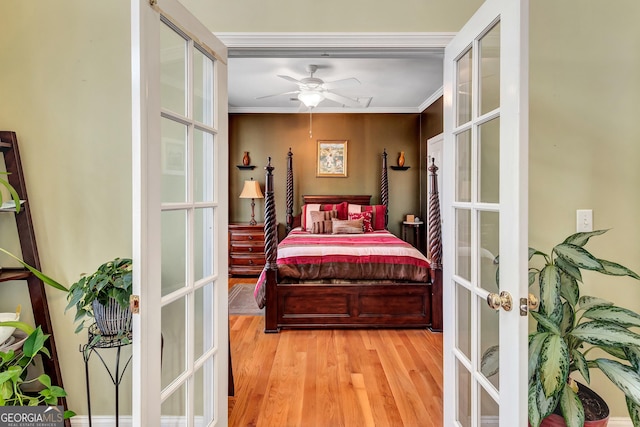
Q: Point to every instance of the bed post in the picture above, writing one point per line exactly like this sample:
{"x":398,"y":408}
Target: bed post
{"x":384,"y":188}
{"x":435,"y":249}
{"x":271,"y":253}
{"x":289,"y":191}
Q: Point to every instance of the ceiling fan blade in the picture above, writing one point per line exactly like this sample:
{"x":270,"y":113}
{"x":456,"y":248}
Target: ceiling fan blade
{"x":343,"y":100}
{"x":291,"y":79}
{"x":278,"y":94}
{"x":341,"y":83}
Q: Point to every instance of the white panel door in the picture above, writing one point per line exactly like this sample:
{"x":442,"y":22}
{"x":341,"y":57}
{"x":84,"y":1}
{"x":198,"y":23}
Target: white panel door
{"x":180,"y":176}
{"x":485,"y":211}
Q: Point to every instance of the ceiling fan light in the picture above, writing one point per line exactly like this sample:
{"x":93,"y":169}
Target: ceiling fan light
{"x":311,"y":98}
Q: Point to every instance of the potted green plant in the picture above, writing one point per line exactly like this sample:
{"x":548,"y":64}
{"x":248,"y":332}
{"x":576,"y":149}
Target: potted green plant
{"x":104,"y":296}
{"x":576,"y":333}
{"x":16,"y":358}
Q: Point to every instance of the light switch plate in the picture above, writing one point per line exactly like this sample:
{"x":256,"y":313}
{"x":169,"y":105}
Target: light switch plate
{"x":584,"y":220}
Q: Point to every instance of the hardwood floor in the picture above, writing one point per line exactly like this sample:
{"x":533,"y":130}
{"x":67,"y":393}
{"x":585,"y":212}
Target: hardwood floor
{"x":334,"y":378}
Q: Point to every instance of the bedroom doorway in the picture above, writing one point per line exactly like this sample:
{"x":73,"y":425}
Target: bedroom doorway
{"x":485,"y":211}
{"x":180,"y":211}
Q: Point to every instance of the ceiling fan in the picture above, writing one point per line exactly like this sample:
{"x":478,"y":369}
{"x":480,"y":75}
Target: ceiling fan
{"x":312,"y":90}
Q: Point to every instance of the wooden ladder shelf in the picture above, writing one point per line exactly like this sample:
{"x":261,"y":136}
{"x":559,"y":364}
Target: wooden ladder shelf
{"x":39,"y":305}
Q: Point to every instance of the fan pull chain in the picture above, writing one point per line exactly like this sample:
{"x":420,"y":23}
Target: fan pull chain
{"x":310,"y":123}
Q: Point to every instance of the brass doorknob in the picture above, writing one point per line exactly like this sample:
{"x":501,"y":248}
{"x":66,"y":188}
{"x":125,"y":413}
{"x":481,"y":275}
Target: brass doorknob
{"x":503,"y":300}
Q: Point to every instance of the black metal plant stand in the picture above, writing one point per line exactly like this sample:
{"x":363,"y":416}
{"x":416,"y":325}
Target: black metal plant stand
{"x":95,"y":343}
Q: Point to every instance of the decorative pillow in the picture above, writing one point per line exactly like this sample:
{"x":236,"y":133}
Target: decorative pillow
{"x":378,"y":213}
{"x":366,"y":220}
{"x":347,"y":227}
{"x":340,"y":207}
{"x":321,"y":221}
{"x":305,"y":219}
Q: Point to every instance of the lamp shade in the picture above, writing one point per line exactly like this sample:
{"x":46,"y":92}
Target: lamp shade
{"x":251,"y":190}
{"x":311,"y":98}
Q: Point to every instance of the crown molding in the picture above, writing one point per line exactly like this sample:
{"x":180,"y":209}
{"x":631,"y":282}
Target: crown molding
{"x":395,"y":40}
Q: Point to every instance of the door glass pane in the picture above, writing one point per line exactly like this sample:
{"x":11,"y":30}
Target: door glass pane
{"x":203,"y":326}
{"x":174,"y":250}
{"x":463,"y":241}
{"x":489,"y":249}
{"x":463,"y":410}
{"x":173,"y":66}
{"x":464,"y":95}
{"x":202,"y":87}
{"x":463,"y":320}
{"x":489,"y":154}
{"x":490,"y":70}
{"x":174,"y":161}
{"x":463,"y":166}
{"x":175,"y":408}
{"x":173,"y":340}
{"x":203,"y":241}
{"x":489,"y":335}
{"x":204,"y":393}
{"x":203,"y":166}
{"x":489,"y":411}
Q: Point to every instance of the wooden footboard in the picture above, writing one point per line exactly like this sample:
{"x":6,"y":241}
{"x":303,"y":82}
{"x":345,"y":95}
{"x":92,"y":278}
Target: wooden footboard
{"x":350,"y":306}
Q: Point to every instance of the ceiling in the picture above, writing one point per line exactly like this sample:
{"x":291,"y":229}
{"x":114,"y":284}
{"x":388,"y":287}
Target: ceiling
{"x":397,"y":73}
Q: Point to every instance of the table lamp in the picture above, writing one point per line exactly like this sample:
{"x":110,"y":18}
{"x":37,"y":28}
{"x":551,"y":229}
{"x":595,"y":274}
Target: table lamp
{"x":251,"y":190}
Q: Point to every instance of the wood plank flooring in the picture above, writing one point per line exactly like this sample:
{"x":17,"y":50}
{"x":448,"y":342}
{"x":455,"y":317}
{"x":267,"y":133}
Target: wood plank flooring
{"x":334,"y":378}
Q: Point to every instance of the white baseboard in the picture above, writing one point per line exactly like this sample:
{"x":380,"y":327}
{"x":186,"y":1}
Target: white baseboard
{"x":620,"y":422}
{"x":126,"y":421}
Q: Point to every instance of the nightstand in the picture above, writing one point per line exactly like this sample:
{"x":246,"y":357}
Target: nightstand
{"x":246,"y":249}
{"x":415,"y":225}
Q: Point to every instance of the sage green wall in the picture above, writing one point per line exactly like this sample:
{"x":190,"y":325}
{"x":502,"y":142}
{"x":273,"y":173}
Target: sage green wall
{"x":585,"y":138}
{"x":65,"y":90}
{"x":265,"y":135}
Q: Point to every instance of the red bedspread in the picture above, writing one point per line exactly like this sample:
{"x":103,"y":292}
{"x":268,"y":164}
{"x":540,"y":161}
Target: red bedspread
{"x":370,"y":256}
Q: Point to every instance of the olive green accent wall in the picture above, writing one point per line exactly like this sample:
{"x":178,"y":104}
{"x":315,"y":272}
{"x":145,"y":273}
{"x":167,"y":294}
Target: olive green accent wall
{"x":271,"y":135}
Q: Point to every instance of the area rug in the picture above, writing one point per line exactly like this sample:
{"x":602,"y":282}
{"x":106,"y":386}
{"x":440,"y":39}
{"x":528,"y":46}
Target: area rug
{"x":241,"y":300}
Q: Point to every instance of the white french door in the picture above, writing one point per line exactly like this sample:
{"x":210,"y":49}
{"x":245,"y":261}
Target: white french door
{"x":180,"y":180}
{"x":485,"y":207}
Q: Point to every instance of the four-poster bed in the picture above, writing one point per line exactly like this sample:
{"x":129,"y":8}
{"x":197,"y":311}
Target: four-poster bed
{"x":313,"y":280}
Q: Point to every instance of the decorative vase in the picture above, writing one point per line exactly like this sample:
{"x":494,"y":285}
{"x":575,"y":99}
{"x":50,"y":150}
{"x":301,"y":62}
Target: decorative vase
{"x":112,"y":319}
{"x":246,"y":159}
{"x":401,"y":159}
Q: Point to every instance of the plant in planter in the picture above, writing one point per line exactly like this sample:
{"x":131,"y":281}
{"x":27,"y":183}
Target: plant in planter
{"x":570,"y":328}
{"x":13,"y":372}
{"x":17,"y":357}
{"x":104,"y":296}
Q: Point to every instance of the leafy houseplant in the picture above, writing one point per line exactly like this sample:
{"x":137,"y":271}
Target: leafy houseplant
{"x":13,"y":372}
{"x":14,"y":364}
{"x":108,"y":288}
{"x":571,"y":326}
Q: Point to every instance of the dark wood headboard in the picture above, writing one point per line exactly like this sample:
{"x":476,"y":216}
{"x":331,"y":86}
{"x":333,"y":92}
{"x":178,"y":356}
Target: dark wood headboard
{"x":337,"y":199}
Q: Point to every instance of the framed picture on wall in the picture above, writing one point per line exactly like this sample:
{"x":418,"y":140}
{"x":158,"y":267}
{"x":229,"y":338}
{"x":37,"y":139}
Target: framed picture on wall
{"x":332,"y":159}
